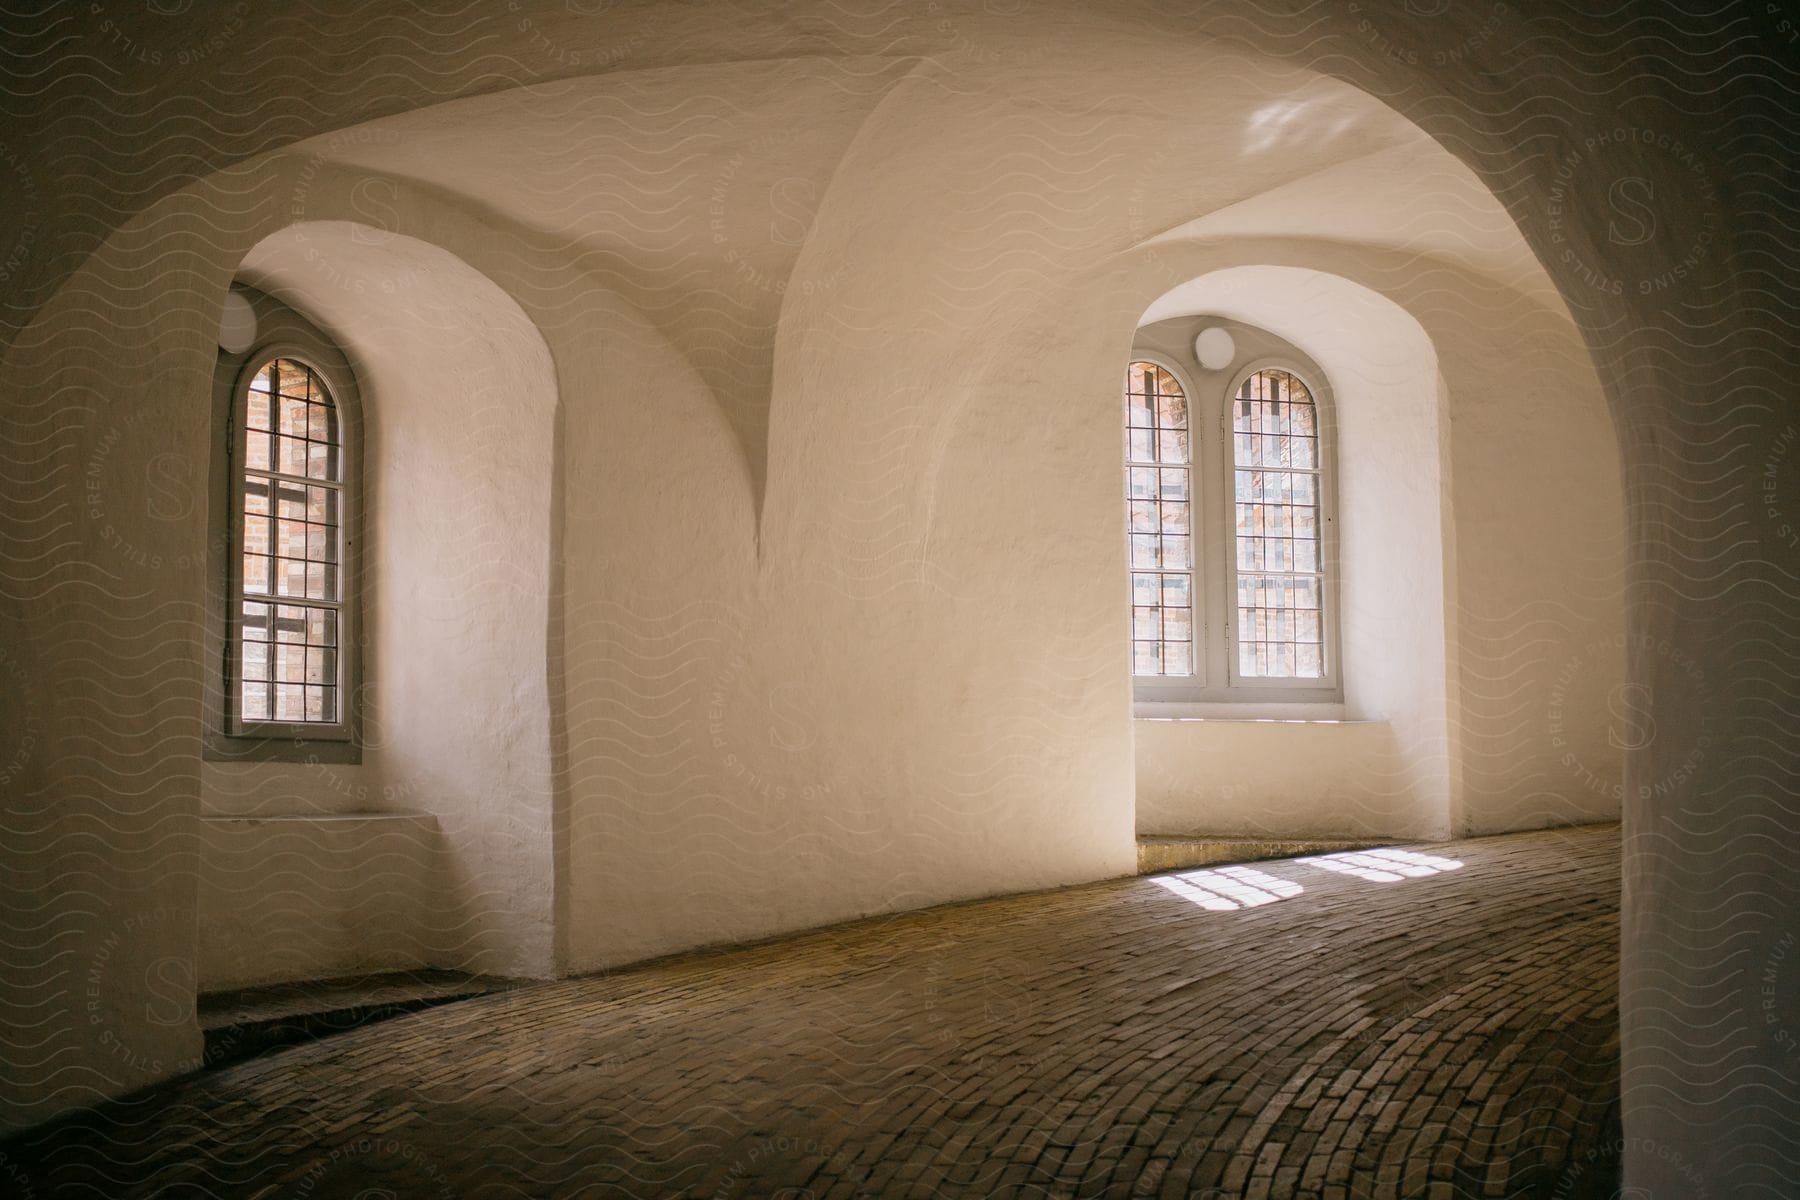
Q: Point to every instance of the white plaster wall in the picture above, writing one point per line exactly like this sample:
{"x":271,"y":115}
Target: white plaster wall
{"x":962,"y":220}
{"x":1268,"y":778}
{"x":318,"y":897}
{"x":458,"y":395}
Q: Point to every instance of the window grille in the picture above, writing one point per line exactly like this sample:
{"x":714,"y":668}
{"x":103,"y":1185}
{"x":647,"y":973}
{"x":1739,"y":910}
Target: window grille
{"x":1159,"y":492}
{"x":288,"y":586}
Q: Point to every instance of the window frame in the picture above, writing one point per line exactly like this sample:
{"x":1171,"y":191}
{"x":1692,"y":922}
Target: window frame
{"x":1327,"y":687}
{"x":1177,"y":687}
{"x":1218,"y":687}
{"x":340,"y":730}
{"x":284,"y":333}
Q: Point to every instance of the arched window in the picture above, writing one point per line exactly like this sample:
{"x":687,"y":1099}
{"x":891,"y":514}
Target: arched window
{"x":1229,"y":525}
{"x":1159,"y":492}
{"x":289,"y":618}
{"x":1278,"y":565}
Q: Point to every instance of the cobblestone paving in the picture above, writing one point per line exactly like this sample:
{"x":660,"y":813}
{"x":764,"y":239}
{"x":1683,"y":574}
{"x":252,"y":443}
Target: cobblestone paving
{"x":1387,"y":1027}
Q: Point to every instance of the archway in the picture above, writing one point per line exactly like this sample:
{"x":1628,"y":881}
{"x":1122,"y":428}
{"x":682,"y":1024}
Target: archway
{"x":430,"y":844}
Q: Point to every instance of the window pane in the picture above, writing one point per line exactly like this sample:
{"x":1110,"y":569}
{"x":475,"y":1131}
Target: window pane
{"x":293,"y":416}
{"x":1146,"y":623}
{"x":1172,"y":446}
{"x":290,"y":702}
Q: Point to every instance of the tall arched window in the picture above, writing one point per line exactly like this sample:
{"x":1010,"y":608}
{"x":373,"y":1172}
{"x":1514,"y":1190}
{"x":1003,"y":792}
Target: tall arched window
{"x":289,"y":619}
{"x":1278,"y":567}
{"x":1229,"y":526}
{"x":1159,"y":492}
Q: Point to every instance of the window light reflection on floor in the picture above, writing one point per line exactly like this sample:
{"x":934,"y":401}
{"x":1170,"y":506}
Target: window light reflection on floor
{"x":1383,"y":866}
{"x":1224,"y":888}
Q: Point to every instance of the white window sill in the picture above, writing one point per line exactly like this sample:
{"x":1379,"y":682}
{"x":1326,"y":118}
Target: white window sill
{"x":1303,"y":713}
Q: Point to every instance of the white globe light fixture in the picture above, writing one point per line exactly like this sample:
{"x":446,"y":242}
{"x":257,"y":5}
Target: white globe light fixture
{"x":1215,"y":348}
{"x":237,"y":324}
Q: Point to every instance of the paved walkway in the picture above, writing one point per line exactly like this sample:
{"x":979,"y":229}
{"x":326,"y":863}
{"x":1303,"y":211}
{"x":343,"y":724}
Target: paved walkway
{"x":1434,"y":1022}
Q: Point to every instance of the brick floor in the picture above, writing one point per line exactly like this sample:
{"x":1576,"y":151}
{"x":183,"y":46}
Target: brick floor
{"x":1451,"y":1033}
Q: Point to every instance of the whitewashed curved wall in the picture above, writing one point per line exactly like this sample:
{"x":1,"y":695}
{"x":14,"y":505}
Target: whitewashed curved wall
{"x":886,"y":336}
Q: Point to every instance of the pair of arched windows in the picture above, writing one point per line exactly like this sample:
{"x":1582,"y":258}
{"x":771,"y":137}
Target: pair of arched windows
{"x":1228,"y":575}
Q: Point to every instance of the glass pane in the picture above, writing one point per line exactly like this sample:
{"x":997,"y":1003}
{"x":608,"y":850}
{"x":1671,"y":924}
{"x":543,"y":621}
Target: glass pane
{"x":291,"y":500}
{"x":290,"y":457}
{"x":256,"y":574}
{"x":1144,"y":516}
{"x":1171,"y":406}
{"x":1138,"y":411}
{"x":293,"y":415}
{"x":290,"y":702}
{"x":1146,"y":623}
{"x":1172,"y":445}
{"x":293,"y":378}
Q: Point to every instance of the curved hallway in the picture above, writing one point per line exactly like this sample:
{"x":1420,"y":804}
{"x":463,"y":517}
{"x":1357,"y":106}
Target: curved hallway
{"x":1436,"y":1022}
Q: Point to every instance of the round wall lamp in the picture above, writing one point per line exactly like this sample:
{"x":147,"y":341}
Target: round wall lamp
{"x":237,"y":324}
{"x":1215,"y":348}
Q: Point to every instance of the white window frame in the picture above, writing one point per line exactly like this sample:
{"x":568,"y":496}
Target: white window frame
{"x":342,"y":395}
{"x":1180,"y":687}
{"x":1327,"y":687}
{"x":1217,"y":688}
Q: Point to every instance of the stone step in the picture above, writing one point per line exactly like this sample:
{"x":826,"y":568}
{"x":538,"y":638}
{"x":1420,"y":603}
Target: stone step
{"x":246,"y":1022}
{"x":1173,"y":853}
